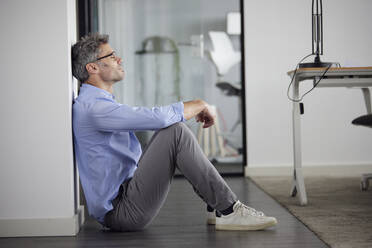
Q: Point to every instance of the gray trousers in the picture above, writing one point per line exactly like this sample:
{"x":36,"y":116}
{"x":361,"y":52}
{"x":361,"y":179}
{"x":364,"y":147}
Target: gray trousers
{"x":141,"y":197}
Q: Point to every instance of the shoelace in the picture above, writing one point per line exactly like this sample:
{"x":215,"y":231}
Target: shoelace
{"x":244,"y":210}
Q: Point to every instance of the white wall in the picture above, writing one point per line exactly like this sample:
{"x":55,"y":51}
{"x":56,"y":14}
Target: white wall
{"x":36,"y":156}
{"x":277,"y":36}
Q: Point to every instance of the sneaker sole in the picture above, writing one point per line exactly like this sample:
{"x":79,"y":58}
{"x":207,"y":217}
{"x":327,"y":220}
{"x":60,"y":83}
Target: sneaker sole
{"x":245,"y":227}
{"x":211,"y":221}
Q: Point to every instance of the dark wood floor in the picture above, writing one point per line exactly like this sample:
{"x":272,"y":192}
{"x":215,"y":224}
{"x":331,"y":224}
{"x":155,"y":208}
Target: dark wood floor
{"x":181,"y":223}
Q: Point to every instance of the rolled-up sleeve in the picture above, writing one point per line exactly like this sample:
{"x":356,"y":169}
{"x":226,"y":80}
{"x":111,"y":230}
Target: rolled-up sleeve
{"x":179,"y":109}
{"x":108,"y":115}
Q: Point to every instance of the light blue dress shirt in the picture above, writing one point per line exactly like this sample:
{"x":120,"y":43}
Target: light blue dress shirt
{"x":107,"y":150}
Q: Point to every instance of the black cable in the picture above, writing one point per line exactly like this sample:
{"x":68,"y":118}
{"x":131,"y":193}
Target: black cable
{"x":316,"y":82}
{"x":294,"y":74}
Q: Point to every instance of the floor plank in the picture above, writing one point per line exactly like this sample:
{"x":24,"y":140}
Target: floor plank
{"x":181,"y":223}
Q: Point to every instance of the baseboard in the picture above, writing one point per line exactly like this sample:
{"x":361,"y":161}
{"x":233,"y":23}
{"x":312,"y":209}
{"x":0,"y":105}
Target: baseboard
{"x":42,"y":227}
{"x":310,"y":170}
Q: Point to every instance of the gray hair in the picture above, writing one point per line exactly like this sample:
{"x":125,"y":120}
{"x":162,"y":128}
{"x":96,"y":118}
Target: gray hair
{"x":85,"y":51}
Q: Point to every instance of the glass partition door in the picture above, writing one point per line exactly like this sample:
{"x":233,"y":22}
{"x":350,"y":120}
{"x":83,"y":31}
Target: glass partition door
{"x":175,"y":50}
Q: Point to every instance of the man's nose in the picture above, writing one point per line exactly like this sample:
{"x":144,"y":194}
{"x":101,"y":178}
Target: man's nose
{"x":119,"y":60}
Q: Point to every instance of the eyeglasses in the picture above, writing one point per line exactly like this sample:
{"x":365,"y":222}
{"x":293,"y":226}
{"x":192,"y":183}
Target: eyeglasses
{"x":108,"y":55}
{"x":105,"y":56}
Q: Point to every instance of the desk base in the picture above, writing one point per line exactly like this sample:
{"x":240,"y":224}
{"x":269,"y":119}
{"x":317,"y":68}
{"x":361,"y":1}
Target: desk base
{"x":298,"y":184}
{"x":350,"y":77}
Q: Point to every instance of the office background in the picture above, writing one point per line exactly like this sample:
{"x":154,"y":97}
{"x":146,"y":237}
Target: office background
{"x":37,"y":174}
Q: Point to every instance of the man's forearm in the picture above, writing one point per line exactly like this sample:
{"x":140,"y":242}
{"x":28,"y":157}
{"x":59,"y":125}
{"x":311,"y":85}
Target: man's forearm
{"x":192,"y":108}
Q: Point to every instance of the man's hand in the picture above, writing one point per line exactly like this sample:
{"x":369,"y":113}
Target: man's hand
{"x":201,"y":111}
{"x":207,"y":116}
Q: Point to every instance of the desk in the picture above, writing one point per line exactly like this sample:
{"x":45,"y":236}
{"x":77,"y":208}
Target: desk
{"x":351,"y":77}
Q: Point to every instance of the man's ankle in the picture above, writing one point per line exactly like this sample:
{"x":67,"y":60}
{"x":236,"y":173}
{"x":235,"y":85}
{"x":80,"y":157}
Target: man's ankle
{"x":226,"y":211}
{"x":210,"y":209}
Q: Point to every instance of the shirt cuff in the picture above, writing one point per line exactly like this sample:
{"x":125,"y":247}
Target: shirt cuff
{"x":179,"y":108}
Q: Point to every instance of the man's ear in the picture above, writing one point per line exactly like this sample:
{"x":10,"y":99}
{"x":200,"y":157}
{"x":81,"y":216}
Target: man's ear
{"x":92,"y":68}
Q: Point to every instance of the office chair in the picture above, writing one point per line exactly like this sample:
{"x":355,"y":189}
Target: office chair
{"x":366,"y":121}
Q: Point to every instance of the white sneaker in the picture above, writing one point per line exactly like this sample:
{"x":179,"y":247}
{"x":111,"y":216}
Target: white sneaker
{"x":244,"y":218}
{"x":211,"y":218}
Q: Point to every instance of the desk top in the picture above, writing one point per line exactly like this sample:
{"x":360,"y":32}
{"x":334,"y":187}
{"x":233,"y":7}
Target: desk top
{"x":336,"y":76}
{"x":335,"y":71}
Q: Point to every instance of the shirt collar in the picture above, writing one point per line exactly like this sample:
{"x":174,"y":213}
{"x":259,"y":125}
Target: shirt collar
{"x":91,"y":88}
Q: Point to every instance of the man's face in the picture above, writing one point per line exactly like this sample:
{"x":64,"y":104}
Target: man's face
{"x":110,"y":67}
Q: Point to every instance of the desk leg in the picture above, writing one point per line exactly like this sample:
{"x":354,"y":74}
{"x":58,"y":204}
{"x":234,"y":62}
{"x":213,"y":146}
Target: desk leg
{"x":298,"y":185}
{"x":367,"y":99}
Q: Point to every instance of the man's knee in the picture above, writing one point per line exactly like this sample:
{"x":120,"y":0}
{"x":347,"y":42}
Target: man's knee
{"x":175,"y":128}
{"x":178,"y":131}
{"x":180,"y":128}
{"x":178,"y":125}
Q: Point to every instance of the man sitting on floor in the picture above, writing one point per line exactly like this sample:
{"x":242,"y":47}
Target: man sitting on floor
{"x":125,"y":187}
